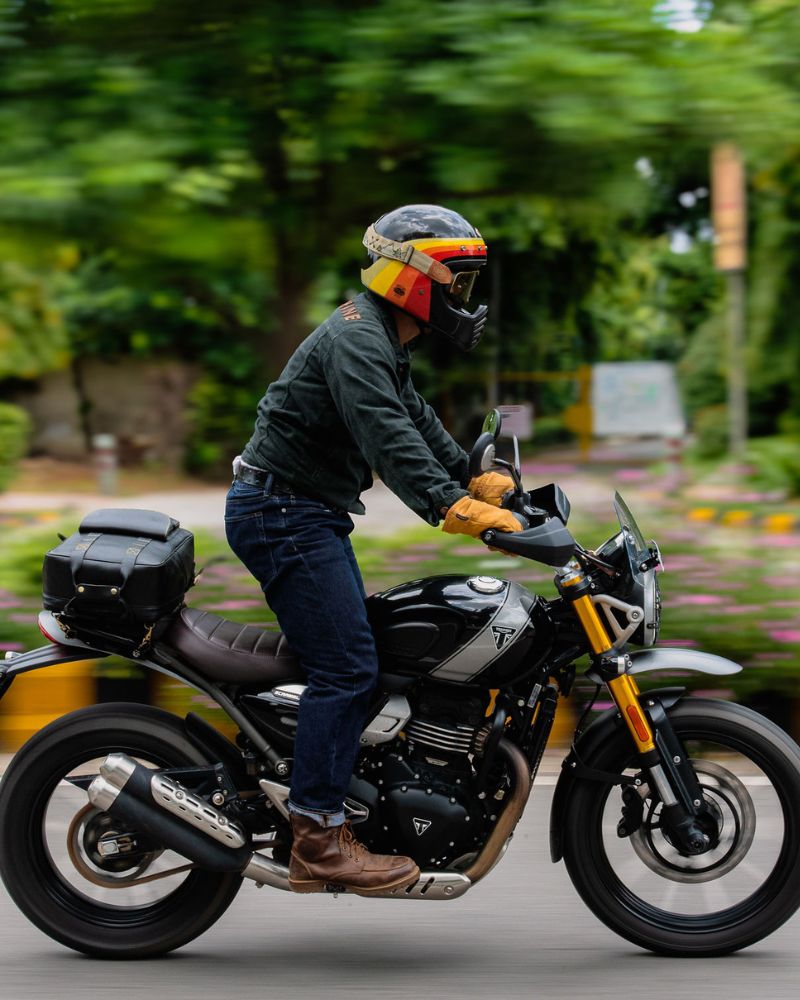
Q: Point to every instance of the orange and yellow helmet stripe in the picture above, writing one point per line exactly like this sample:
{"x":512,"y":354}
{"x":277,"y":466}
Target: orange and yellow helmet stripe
{"x":410,"y":289}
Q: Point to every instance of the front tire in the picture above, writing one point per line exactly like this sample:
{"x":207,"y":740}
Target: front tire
{"x":51,"y":899}
{"x":672,"y":905}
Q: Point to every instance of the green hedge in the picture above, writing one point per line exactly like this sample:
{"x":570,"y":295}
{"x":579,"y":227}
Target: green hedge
{"x":15,"y":428}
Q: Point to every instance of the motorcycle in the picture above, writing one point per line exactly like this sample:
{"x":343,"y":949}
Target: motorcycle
{"x":126,"y":831}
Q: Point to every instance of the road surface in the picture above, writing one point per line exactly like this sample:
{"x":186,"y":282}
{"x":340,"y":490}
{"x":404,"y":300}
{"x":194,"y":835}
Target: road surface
{"x":522,"y":933}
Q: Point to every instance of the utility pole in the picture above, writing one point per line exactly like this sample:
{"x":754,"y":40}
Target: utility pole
{"x":729,"y":216}
{"x":492,"y":388}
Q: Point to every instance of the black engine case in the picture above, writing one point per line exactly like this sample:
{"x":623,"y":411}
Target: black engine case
{"x":421,"y":812}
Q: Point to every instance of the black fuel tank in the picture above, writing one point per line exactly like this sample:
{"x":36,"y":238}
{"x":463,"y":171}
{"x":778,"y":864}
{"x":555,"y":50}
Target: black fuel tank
{"x":477,"y":630}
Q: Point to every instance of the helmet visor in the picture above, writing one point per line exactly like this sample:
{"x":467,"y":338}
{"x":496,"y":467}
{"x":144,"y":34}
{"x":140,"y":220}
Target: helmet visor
{"x":461,"y":287}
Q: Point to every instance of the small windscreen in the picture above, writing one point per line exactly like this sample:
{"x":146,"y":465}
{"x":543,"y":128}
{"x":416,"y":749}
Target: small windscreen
{"x":628,"y":523}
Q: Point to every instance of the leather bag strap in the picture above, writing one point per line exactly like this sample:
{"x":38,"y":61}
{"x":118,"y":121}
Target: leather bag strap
{"x":132,"y":553}
{"x":78,"y":554}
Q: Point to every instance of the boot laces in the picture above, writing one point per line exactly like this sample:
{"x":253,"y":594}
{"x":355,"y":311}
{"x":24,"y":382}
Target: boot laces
{"x":348,"y":842}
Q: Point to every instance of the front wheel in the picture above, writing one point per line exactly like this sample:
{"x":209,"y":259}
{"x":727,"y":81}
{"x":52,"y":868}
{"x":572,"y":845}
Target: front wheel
{"x":51,"y":856}
{"x":744,"y":887}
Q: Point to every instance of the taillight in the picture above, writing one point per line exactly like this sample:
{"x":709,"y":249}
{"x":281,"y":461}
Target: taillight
{"x":45,"y":633}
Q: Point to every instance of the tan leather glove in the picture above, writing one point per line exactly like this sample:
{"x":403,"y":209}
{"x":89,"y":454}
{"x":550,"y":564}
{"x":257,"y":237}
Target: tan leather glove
{"x":490,"y":487}
{"x":472,"y":517}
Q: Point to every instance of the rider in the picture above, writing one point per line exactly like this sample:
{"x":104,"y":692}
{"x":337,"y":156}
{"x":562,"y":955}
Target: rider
{"x":345,"y":405}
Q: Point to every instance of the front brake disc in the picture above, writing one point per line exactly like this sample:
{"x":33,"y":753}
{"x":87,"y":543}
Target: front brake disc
{"x":736,"y":814}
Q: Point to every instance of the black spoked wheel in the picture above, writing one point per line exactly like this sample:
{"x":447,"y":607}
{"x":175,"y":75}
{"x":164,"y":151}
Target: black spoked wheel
{"x":744,"y":887}
{"x":52,"y":858}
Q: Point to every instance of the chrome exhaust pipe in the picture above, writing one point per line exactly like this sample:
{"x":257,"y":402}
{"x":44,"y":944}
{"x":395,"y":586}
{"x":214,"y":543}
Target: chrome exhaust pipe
{"x":158,"y":806}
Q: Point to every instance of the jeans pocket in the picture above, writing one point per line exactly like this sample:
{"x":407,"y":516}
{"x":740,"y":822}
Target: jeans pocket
{"x":243,"y":501}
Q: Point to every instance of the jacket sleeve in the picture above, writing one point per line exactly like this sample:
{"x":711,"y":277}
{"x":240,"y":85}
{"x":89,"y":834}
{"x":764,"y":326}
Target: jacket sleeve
{"x":449,"y":454}
{"x":362,"y":378}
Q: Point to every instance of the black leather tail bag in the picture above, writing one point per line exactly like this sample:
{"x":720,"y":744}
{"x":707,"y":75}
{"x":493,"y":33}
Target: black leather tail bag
{"x":122,"y":569}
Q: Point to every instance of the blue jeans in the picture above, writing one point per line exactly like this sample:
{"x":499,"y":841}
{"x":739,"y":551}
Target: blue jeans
{"x":299,"y":551}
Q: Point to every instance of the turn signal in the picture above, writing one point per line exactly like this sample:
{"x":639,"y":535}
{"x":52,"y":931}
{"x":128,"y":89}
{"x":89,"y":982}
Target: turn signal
{"x":638,"y":723}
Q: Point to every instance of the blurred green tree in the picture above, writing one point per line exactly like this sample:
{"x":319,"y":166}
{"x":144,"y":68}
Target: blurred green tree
{"x":207,"y":171}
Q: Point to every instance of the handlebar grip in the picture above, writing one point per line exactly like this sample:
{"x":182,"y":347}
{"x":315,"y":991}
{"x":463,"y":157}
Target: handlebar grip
{"x":490,"y":535}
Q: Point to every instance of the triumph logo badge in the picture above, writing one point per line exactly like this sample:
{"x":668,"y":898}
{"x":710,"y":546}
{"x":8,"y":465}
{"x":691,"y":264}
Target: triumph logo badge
{"x":421,"y":825}
{"x":503,"y":634}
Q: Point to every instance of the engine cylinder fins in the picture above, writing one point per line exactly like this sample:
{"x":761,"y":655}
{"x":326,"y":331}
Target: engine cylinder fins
{"x":455,"y":739}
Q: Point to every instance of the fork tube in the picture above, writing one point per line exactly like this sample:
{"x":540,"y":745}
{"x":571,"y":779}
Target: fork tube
{"x":574,"y":586}
{"x":592,"y":625}
{"x":625,"y":692}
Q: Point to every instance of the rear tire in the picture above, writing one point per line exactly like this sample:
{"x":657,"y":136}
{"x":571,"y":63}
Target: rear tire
{"x":681,"y":930}
{"x":32,"y":877}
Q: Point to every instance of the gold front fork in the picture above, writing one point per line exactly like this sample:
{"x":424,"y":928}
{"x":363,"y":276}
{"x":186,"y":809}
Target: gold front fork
{"x":624,"y":689}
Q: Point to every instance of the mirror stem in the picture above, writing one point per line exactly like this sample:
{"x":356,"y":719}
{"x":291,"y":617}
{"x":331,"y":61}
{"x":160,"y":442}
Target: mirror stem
{"x":514,"y":474}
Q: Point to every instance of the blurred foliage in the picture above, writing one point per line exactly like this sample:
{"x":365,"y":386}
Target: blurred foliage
{"x":15,"y":426}
{"x":775,"y":464}
{"x":702,"y":367}
{"x":194,"y":181}
{"x":221,"y":416}
{"x":33,"y":337}
{"x":711,"y":432}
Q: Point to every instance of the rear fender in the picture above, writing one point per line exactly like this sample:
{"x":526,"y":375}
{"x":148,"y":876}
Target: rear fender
{"x":44,"y":656}
{"x":600,"y":731}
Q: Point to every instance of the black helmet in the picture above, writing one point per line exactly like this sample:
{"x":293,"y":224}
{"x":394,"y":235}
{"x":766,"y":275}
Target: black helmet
{"x":425,"y":260}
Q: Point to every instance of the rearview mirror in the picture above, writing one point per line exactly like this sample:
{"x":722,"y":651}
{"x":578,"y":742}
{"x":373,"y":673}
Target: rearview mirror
{"x":492,"y":424}
{"x":482,"y":456}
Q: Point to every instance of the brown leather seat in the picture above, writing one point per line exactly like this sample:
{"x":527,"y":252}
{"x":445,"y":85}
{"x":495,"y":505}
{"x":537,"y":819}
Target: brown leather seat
{"x":230,"y":652}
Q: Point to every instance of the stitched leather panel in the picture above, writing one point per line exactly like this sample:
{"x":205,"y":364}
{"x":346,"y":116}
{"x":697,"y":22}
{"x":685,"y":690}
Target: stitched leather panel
{"x":230,"y":651}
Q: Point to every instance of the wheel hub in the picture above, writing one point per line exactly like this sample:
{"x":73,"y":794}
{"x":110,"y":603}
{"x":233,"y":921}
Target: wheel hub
{"x":731,"y":819}
{"x":105,"y":852}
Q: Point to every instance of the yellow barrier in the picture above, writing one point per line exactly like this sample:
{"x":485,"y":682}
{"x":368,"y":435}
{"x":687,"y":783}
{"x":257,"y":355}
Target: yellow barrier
{"x":563,"y":724}
{"x":777,"y":523}
{"x":37,"y":698}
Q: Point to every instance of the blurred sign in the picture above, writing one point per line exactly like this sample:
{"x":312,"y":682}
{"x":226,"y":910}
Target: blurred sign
{"x":728,"y":208}
{"x":517,"y":420}
{"x":637,"y":399}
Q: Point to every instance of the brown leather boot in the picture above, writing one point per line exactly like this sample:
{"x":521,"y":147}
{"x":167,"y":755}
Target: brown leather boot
{"x":332,"y":855}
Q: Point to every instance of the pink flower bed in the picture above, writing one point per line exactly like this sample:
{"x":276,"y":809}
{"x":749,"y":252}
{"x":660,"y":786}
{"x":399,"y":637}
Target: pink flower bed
{"x":785,"y":635}
{"x":239,"y":605}
{"x":699,"y":600}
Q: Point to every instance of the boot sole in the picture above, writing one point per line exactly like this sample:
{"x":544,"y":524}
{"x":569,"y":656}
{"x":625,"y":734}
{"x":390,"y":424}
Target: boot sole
{"x":315,"y":885}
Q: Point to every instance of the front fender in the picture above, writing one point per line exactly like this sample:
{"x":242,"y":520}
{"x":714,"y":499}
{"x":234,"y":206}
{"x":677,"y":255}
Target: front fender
{"x":601,"y":730}
{"x":667,"y":658}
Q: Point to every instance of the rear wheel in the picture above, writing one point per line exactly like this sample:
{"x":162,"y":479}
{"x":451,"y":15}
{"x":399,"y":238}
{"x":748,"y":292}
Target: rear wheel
{"x":740,"y":890}
{"x":51,"y":860}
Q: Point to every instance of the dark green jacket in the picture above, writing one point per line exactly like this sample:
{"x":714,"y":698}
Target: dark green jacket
{"x":345,"y":405}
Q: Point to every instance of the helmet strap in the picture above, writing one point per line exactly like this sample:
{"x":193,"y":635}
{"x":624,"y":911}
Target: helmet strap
{"x":407,"y":253}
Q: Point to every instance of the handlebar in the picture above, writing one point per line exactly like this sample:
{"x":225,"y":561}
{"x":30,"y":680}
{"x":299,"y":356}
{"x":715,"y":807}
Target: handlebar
{"x":550,"y":543}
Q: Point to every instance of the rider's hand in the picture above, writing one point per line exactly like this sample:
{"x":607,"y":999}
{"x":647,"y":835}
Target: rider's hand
{"x":491,"y":487}
{"x":472,"y":517}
